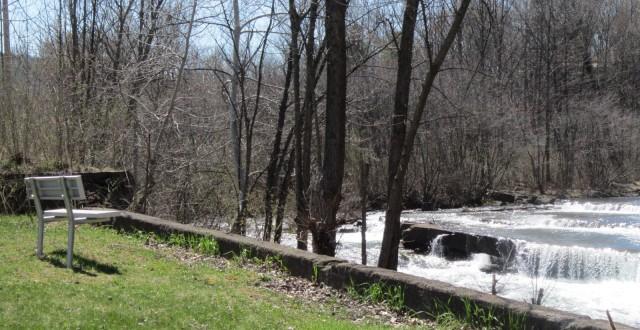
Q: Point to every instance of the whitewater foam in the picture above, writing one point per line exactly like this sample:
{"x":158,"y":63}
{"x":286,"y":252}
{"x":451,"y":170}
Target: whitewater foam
{"x":601,"y":208}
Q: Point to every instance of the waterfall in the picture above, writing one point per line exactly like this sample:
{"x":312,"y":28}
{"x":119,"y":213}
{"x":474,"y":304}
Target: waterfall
{"x":437,"y":249}
{"x":576,"y":263}
{"x":605,"y":208}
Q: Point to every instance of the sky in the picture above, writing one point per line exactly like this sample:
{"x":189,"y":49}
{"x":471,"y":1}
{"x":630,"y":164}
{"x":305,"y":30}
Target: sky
{"x":29,"y":20}
{"x":33,"y":20}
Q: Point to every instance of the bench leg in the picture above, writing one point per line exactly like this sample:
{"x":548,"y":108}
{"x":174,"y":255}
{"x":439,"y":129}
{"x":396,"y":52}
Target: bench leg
{"x":70,"y":238}
{"x":40,"y":239}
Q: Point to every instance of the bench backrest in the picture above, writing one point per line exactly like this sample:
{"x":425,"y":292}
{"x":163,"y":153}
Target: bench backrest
{"x":53,"y":187}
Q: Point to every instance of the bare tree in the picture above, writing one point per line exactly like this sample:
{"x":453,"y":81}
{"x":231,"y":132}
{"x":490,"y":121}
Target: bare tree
{"x":6,"y":81}
{"x":364,"y":186}
{"x":278,"y":154}
{"x":239,"y":225}
{"x":155,"y":150}
{"x":326,"y":201}
{"x":246,"y":113}
{"x":304,"y":125}
{"x":402,"y":143}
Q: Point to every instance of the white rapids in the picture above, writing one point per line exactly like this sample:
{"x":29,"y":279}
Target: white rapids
{"x":585,"y":255}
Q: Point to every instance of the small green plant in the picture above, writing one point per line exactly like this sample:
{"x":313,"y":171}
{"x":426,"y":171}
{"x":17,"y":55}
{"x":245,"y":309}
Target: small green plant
{"x":474,"y":316}
{"x":243,"y":257}
{"x":477,"y":316}
{"x":395,"y":297}
{"x":265,"y":278}
{"x":274,"y":262}
{"x":201,"y":244}
{"x":392,"y":295}
{"x":177,"y":240}
{"x":208,"y":245}
{"x":193,"y":242}
{"x":315,"y":272}
{"x":374,"y":292}
{"x":141,"y":235}
{"x":352,"y":290}
{"x":442,"y":314}
{"x":245,"y":254}
{"x":516,"y":320}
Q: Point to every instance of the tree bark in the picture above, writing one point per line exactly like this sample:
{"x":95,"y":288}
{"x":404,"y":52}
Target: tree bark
{"x":391,"y":237}
{"x":364,"y":187}
{"x":6,"y":79}
{"x":328,"y":195}
{"x":303,"y":129}
{"x":277,"y":155}
{"x":283,"y":192}
{"x":388,"y":253}
{"x":239,"y":225}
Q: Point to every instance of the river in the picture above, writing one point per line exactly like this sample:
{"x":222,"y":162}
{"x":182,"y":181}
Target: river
{"x":584,"y":254}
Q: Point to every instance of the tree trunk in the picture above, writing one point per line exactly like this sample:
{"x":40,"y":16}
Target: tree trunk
{"x":277,"y":156}
{"x":303,"y":129}
{"x":364,"y":187}
{"x":144,"y":42}
{"x":239,"y":225}
{"x":391,"y":237}
{"x":7,"y":84}
{"x":388,"y":253}
{"x":283,"y":192}
{"x":328,"y":195}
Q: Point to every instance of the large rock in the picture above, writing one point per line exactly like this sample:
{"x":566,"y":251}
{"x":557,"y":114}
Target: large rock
{"x":501,"y":196}
{"x":455,"y":245}
{"x":541,"y":200}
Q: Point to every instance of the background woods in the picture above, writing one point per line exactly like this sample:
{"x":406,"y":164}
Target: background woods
{"x":245,"y":113}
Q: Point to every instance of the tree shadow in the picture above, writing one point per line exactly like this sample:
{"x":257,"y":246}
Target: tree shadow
{"x":81,"y":264}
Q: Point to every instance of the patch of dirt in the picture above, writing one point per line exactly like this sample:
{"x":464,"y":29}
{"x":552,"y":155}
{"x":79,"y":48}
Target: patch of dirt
{"x":273,"y":278}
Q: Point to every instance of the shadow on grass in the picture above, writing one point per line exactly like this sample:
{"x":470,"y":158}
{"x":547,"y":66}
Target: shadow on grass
{"x":81,"y":264}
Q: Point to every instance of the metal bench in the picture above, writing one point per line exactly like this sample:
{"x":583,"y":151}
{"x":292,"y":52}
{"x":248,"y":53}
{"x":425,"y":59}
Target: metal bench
{"x":67,"y":189}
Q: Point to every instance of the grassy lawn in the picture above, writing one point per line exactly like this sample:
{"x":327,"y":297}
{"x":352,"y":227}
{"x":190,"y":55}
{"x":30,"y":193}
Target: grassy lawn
{"x":122,"y":284}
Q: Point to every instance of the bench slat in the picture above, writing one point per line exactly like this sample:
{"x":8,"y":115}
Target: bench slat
{"x":85,"y":213}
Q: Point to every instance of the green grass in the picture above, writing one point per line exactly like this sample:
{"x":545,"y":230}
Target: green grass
{"x":119,"y":283}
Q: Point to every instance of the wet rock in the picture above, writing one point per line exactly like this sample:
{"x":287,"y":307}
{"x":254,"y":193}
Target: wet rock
{"x":541,"y":200}
{"x":491,"y":268}
{"x":501,"y":196}
{"x":351,"y":228}
{"x":455,"y":245}
{"x":412,"y":200}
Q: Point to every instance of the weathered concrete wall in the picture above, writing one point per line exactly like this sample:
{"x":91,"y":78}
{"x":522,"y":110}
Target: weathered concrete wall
{"x":103,"y":189}
{"x":420,"y":293}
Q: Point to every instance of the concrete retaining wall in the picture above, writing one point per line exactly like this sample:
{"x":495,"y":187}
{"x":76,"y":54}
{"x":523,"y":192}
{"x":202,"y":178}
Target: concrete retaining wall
{"x":420,"y":293}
